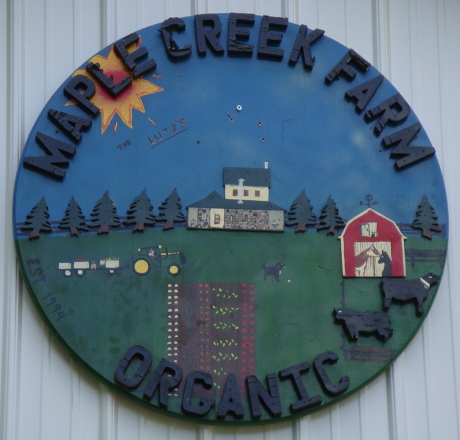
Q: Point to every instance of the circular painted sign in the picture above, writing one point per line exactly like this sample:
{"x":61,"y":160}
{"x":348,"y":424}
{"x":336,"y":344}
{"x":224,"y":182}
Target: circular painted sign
{"x":231,"y":218}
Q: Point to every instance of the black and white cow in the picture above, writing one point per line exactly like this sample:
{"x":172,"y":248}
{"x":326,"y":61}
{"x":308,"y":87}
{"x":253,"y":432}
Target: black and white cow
{"x":364,"y":322}
{"x":408,"y":290}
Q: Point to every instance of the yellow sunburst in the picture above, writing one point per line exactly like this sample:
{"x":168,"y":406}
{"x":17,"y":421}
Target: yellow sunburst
{"x":124,"y":103}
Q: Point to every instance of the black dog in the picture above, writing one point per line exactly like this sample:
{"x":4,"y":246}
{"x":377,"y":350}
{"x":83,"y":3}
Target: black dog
{"x":273,"y":270}
{"x":408,"y":290}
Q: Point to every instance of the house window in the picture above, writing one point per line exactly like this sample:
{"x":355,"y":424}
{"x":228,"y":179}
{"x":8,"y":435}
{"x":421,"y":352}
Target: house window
{"x":245,"y":193}
{"x":257,"y":193}
{"x":235,"y":193}
{"x":369,"y":229}
{"x":216,"y":219}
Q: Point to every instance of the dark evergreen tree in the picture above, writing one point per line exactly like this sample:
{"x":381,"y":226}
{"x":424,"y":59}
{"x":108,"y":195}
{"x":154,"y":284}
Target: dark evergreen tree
{"x":73,"y":219}
{"x":105,"y":215}
{"x":426,"y":219}
{"x":37,"y":220}
{"x":140,"y":213}
{"x":330,"y":218}
{"x":170,"y":210}
{"x":301,"y":213}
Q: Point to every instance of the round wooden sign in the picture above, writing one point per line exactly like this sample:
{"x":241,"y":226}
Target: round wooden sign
{"x":231,"y":218}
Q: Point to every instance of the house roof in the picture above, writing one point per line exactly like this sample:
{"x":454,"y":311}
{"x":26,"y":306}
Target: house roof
{"x":214,"y":200}
{"x":251,"y":176}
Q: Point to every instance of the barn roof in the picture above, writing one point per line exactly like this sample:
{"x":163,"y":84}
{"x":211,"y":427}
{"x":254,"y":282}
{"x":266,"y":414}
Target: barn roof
{"x":214,"y":200}
{"x":370,"y":215}
{"x":251,"y":176}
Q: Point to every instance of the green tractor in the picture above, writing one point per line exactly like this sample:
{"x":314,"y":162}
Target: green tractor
{"x":157,"y":257}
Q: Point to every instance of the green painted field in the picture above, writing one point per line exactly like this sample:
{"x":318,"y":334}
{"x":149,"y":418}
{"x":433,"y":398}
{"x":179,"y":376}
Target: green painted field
{"x":102,"y":315}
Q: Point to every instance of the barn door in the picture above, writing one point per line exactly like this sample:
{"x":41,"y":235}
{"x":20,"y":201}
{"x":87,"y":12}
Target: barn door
{"x":372,"y":259}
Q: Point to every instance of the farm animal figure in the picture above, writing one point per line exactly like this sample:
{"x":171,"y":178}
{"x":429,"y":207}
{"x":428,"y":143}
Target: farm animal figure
{"x":273,"y":270}
{"x":361,"y":259}
{"x":364,"y":322}
{"x":408,"y":290}
{"x":386,"y":260}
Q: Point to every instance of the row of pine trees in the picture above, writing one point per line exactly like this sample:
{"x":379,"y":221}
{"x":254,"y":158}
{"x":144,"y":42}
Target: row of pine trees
{"x":140,"y":214}
{"x":104,"y":215}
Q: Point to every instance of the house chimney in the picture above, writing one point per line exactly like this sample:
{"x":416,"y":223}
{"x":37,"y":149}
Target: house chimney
{"x":266,"y":165}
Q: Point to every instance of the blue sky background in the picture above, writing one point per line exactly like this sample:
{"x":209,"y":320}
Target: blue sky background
{"x":311,"y":136}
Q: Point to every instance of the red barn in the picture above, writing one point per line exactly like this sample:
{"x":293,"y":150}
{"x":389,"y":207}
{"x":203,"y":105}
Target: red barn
{"x":372,"y":246}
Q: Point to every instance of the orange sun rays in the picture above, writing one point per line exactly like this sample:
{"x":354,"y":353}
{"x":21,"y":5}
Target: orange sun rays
{"x":124,"y":104}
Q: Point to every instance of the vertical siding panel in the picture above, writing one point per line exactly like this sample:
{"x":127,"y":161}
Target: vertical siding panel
{"x":407,"y":375}
{"x":150,"y":13}
{"x":241,"y":6}
{"x":425,"y":45}
{"x":59,"y":38}
{"x":275,"y":9}
{"x":92,"y":404}
{"x":108,"y":23}
{"x":87,"y":35}
{"x":381,"y":60}
{"x":318,"y":425}
{"x":217,"y":433}
{"x":7,"y":315}
{"x":107,"y":414}
{"x":418,"y":403}
{"x":290,"y":9}
{"x":86,"y":394}
{"x":398,"y":32}
{"x":55,"y":384}
{"x":332,"y":18}
{"x":348,"y":419}
{"x":448,"y":37}
{"x":374,"y":419}
{"x":56,"y":376}
{"x":126,"y":18}
{"x":151,"y":425}
{"x":182,"y":430}
{"x":279,"y":431}
{"x":33,"y":54}
{"x":127,"y":421}
{"x":30,"y":77}
{"x":359,"y":30}
{"x":308,"y":13}
{"x":32,"y":347}
{"x":438,"y":327}
{"x":178,"y":8}
{"x":215,"y":6}
{"x":449,"y":32}
{"x":371,"y":420}
{"x":380,"y":38}
{"x":11,"y":114}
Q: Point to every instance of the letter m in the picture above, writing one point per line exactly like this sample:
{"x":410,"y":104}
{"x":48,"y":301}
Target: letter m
{"x":408,"y":154}
{"x":55,"y":158}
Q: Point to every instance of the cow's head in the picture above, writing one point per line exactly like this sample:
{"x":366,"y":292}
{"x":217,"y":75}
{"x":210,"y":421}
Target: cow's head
{"x":338,"y":313}
{"x":431,"y":278}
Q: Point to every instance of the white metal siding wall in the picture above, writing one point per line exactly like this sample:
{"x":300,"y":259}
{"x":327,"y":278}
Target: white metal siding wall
{"x":45,"y":395}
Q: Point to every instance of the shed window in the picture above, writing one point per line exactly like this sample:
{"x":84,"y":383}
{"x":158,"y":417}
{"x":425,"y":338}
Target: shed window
{"x":369,"y":229}
{"x":216,"y":219}
{"x":235,"y":192}
{"x":257,"y":193}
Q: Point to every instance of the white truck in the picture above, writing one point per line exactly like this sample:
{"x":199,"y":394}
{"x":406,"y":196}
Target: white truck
{"x":81,"y":266}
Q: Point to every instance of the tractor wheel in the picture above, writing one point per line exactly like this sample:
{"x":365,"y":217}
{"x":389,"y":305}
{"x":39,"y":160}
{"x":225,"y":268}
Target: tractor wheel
{"x":141,"y":266}
{"x":80,"y":272}
{"x":173,"y":270}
